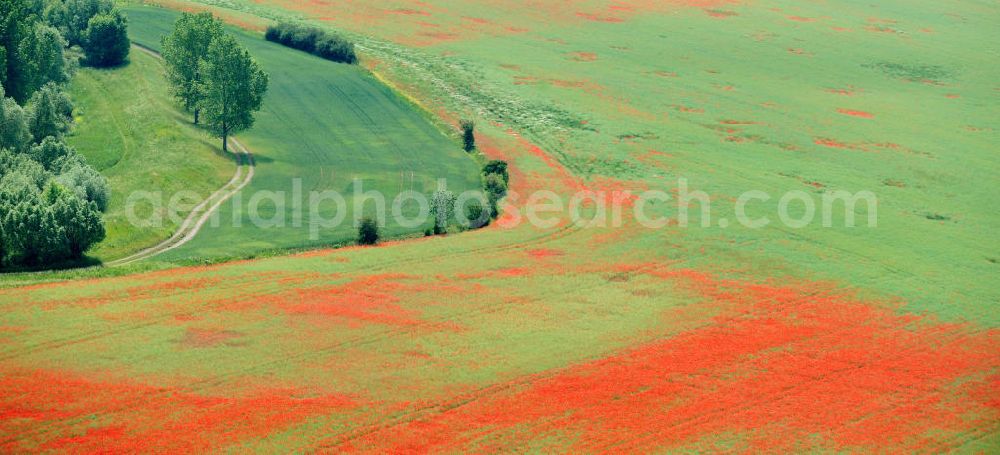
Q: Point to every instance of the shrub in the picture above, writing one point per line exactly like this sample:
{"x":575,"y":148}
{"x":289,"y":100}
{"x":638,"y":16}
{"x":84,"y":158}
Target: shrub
{"x":468,"y":135}
{"x":107,"y":41}
{"x":368,"y":231}
{"x":313,"y":40}
{"x":497,"y":167}
{"x":476,"y":215}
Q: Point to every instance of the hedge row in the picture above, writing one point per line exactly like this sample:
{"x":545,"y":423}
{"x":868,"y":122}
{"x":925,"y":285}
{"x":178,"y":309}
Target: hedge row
{"x":312,"y":40}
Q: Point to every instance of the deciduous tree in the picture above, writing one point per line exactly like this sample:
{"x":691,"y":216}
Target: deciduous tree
{"x":233,"y":87}
{"x":107,"y":42}
{"x":183,"y":50}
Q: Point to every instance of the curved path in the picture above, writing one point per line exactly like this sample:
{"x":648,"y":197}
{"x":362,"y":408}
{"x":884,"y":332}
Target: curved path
{"x":202,"y":212}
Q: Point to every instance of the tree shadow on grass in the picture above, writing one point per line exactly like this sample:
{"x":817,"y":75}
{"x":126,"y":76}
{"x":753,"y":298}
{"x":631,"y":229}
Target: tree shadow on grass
{"x":81,"y":263}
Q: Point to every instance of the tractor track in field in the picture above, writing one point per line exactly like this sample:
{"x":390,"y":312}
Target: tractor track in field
{"x":191,"y":225}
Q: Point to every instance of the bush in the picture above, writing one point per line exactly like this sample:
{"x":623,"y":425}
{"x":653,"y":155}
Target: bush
{"x":107,"y":41}
{"x":368,"y":231}
{"x":313,"y":40}
{"x":497,"y":167}
{"x":476,"y":215}
{"x":468,"y":135}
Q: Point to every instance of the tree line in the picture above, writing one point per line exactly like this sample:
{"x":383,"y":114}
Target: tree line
{"x":319,"y":42}
{"x":213,"y":75}
{"x":50,"y":199}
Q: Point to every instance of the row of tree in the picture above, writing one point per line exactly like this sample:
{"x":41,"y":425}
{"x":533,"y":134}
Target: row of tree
{"x":50,"y":199}
{"x":330,"y":46}
{"x":213,"y":75}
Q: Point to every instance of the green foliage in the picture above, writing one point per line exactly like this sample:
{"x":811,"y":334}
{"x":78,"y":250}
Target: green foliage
{"x":183,"y":49}
{"x":14,"y":132}
{"x":468,"y":135}
{"x":443,"y":209}
{"x":79,"y":220}
{"x":44,"y":62}
{"x":496,"y":189}
{"x":88,"y":184}
{"x":107,"y":42}
{"x":49,"y":151}
{"x":368,"y":231}
{"x":72,"y":17}
{"x":476,"y":215}
{"x":233,"y":87}
{"x":39,"y":227}
{"x":497,"y":167}
{"x":312,"y":40}
{"x":17,"y":20}
{"x":44,"y":114}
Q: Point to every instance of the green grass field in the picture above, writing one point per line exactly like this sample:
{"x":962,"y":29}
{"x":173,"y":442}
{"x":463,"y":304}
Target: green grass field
{"x":130,"y":129}
{"x":325,"y":124}
{"x":624,"y":340}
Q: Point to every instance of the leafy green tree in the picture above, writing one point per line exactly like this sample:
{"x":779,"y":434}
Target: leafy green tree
{"x":498,"y":167}
{"x":442,"y":208}
{"x":496,"y":189}
{"x":107,"y":42}
{"x":88,"y":184}
{"x":14,"y":133}
{"x":233,"y":87}
{"x":49,"y":150}
{"x":79,"y":221}
{"x":46,"y":62}
{"x":72,"y":17}
{"x":17,"y":20}
{"x":44,"y":118}
{"x":31,"y":234}
{"x":22,"y":165}
{"x":183,"y":49}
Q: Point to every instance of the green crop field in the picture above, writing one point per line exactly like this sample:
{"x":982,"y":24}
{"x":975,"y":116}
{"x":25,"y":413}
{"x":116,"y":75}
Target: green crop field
{"x":130,"y":129}
{"x":525,"y":338}
{"x":325,"y":125}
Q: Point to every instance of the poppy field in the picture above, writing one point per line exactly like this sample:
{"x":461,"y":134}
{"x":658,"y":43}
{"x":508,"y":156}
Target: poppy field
{"x":574,"y":339}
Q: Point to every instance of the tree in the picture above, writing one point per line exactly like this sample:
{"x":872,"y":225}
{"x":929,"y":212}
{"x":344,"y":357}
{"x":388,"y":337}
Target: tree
{"x":85,"y":182}
{"x":45,"y":46}
{"x":79,"y":220}
{"x":72,"y":17}
{"x":232,"y":87}
{"x":44,"y":118}
{"x":442,"y":208}
{"x":497,"y":167}
{"x":14,"y":132}
{"x":17,"y":21}
{"x":107,"y":42}
{"x":368,"y":231}
{"x":49,"y":150}
{"x":183,"y":49}
{"x":496,"y":189}
{"x":468,"y":135}
{"x":31,"y":234}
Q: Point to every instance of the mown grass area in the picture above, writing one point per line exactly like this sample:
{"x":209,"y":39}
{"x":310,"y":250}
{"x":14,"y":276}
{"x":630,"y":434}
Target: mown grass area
{"x":131,"y":130}
{"x":323,"y":124}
